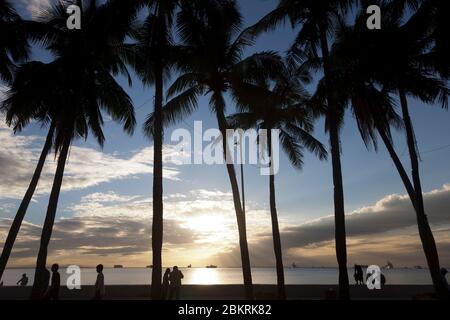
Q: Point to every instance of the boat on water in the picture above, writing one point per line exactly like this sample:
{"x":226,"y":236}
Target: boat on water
{"x":294,"y":266}
{"x":189,"y":266}
{"x":211,"y":266}
{"x":149,"y":266}
{"x":118,"y":266}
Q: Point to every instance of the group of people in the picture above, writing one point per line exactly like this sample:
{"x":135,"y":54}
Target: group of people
{"x":172,"y":284}
{"x":51,"y":289}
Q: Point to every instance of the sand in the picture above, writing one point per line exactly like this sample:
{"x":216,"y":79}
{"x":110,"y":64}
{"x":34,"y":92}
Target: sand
{"x":233,"y":292}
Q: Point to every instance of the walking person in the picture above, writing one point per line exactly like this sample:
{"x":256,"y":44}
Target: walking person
{"x":99,"y":287}
{"x":175,"y":283}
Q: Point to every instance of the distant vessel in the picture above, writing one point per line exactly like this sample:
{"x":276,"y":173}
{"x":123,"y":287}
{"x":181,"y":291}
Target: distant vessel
{"x":149,"y":266}
{"x":418,"y":267}
{"x":211,"y":266}
{"x":190,"y":266}
{"x":389,"y":265}
{"x":293,"y":265}
{"x":118,"y":266}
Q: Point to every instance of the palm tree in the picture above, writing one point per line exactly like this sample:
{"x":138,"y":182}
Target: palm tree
{"x":153,"y":59}
{"x":27,"y":92}
{"x":79,"y":86}
{"x":318,"y":19}
{"x":14,"y":45}
{"x":432,"y":15}
{"x":395,"y":58}
{"x":282,"y":106}
{"x":211,"y":64}
{"x":28,"y":82}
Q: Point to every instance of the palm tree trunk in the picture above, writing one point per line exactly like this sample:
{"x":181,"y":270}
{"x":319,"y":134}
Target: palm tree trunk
{"x":15,"y":227}
{"x":157,"y":225}
{"x":275,"y":228}
{"x":399,"y":166}
{"x":426,"y":235}
{"x":47,"y":229}
{"x":240,"y":217}
{"x":339,"y":211}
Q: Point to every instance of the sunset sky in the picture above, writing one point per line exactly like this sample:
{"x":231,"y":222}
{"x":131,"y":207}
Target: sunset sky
{"x":104,"y":212}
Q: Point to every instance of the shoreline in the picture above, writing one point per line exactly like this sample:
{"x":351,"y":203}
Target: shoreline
{"x":233,"y":292}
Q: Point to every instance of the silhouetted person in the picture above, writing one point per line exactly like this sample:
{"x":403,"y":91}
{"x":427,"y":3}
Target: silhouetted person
{"x":99,"y":287}
{"x":359,"y":274}
{"x":23,"y":281}
{"x":165,"y":284}
{"x":53,"y":290}
{"x":175,"y":283}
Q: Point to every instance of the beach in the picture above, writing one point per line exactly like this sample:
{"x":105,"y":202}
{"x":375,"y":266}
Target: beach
{"x":233,"y":292}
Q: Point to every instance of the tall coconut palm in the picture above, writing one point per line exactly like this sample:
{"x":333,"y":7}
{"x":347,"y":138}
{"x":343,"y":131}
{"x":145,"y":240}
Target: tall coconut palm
{"x":317,"y":20}
{"x":283,"y":106}
{"x":395,"y":58}
{"x":28,"y":82}
{"x":431,"y":15}
{"x":154,"y":56}
{"x":80,"y":85}
{"x":212,"y":62}
{"x":27,"y":92}
{"x":14,"y":45}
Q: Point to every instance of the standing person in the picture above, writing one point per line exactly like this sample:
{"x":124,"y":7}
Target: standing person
{"x":175,"y":283}
{"x":99,"y":284}
{"x":53,"y":291}
{"x":165,"y":284}
{"x":23,"y":281}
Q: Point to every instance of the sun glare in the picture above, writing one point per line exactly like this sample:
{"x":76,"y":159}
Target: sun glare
{"x":205,"y":276}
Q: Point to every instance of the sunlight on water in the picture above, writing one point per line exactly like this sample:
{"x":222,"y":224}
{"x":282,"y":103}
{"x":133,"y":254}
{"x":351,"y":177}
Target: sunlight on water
{"x":204,"y":276}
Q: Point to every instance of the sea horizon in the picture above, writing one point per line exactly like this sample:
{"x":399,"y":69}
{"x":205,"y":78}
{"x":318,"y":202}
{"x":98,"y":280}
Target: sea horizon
{"x":228,"y":276}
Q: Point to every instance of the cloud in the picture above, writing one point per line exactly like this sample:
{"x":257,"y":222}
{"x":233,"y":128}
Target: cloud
{"x":385,"y":231}
{"x":200,"y":228}
{"x":85,"y":168}
{"x":114,"y":227}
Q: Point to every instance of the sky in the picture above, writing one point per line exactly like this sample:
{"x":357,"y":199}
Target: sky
{"x":105,"y":208}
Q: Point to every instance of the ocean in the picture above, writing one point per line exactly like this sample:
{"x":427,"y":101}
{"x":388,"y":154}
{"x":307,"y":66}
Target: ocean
{"x":121,"y":276}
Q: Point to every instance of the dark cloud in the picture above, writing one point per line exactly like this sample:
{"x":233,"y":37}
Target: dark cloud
{"x":96,"y":236}
{"x":391,"y":218}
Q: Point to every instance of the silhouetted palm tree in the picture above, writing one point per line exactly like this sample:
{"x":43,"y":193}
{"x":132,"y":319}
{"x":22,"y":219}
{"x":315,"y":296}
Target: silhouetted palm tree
{"x":282,"y":105}
{"x":212,"y":62}
{"x":395,"y":58}
{"x":317,"y":20}
{"x":14,"y":45}
{"x":154,"y":56}
{"x":26,"y":90}
{"x":80,"y":85}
